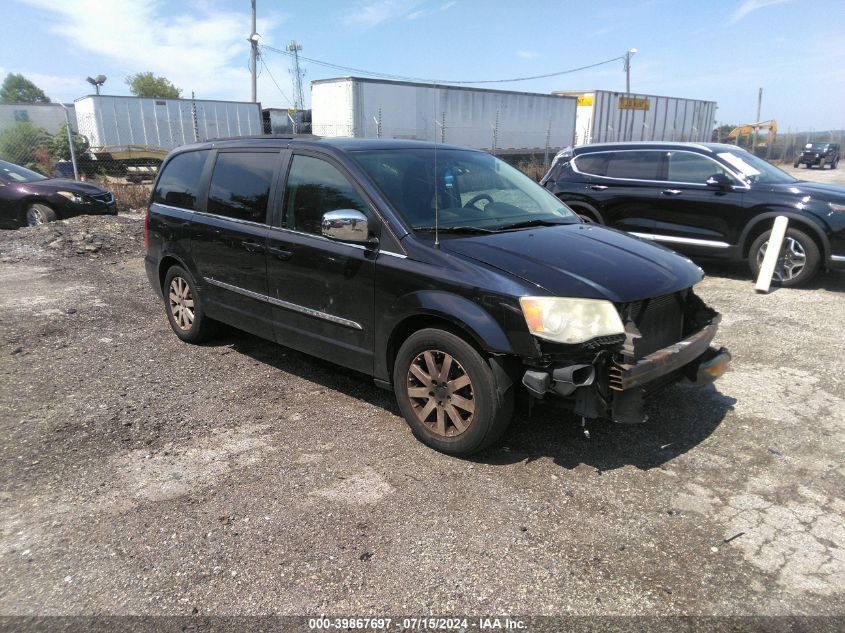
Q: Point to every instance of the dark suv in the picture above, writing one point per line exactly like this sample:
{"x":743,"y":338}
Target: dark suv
{"x":705,"y":200}
{"x":820,"y":154}
{"x":444,"y":273}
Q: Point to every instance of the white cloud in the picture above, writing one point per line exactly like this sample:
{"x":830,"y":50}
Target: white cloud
{"x":527,"y":54}
{"x":204,"y":50}
{"x":749,"y":6}
{"x":370,"y":13}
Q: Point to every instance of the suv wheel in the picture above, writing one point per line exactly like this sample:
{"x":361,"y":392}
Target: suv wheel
{"x":38,"y":213}
{"x":798,"y":263}
{"x":184,"y":307}
{"x":835,"y":163}
{"x":447,"y":393}
{"x":821,"y":163}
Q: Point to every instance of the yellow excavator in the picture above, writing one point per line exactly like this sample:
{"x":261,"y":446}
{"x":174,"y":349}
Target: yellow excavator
{"x":749,"y":129}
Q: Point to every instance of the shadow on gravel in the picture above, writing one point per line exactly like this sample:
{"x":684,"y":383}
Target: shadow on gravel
{"x":311,"y":368}
{"x":680,"y":418}
{"x":832,"y":281}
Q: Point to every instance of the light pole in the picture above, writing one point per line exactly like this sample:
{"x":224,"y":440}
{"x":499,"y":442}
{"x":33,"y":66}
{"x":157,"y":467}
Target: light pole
{"x":628,"y":54}
{"x":70,"y":141}
{"x":97,"y":81}
{"x":253,"y":56}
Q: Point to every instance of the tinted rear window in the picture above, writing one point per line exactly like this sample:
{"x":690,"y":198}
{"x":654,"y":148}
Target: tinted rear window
{"x":240,"y":185}
{"x":595,"y":164}
{"x":638,"y":165}
{"x":180,"y":180}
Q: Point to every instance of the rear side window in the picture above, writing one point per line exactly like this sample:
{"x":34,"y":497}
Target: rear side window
{"x":316,"y":187}
{"x":686,"y":167}
{"x":180,"y":180}
{"x":637,"y":165}
{"x":594,"y":164}
{"x":240,"y":185}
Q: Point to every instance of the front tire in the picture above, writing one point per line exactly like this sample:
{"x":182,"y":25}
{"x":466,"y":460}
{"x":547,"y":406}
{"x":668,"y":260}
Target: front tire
{"x":447,"y":393}
{"x":184,"y":307}
{"x":39,"y":213}
{"x":798,"y":263}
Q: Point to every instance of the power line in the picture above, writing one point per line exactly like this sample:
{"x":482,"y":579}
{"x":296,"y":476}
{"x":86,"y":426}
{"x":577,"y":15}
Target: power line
{"x":372,"y":73}
{"x":263,"y":63}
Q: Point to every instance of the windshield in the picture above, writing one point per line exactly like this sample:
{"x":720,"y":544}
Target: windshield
{"x":818,"y":147}
{"x":754,"y":169}
{"x":475,"y":191}
{"x":16,"y":173}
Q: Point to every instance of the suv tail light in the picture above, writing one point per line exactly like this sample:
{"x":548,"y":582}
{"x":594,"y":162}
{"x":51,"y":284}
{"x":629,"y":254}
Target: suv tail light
{"x":147,"y":230}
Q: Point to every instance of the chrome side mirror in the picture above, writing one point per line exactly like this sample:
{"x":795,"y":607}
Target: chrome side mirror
{"x":346,"y":225}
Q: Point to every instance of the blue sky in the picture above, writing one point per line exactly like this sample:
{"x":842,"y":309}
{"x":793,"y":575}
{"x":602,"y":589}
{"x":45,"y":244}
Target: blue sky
{"x":721,"y":50}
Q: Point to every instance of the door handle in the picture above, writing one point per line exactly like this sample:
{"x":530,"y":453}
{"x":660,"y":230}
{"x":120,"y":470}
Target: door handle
{"x":280,"y":253}
{"x":671,"y":192}
{"x":598,"y":187}
{"x":253,"y":247}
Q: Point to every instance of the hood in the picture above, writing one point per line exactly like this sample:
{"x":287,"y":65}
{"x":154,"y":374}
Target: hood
{"x":60,"y":184}
{"x":582,"y":260}
{"x":818,"y":190}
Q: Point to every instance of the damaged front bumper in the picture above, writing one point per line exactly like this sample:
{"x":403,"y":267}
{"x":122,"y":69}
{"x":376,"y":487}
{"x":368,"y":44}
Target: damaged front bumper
{"x":616,"y":390}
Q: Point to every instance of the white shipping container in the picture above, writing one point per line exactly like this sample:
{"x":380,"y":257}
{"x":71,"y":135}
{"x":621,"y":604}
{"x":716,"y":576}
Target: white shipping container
{"x":604,"y":117}
{"x":493,"y":120}
{"x":47,"y":116}
{"x":162,"y":124}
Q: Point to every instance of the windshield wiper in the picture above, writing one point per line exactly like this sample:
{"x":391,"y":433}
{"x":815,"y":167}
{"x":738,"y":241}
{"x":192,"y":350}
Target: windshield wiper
{"x":454,"y":229}
{"x":529,"y":223}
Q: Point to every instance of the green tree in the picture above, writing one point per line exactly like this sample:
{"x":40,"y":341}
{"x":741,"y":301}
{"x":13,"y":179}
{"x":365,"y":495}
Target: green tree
{"x":60,"y":148}
{"x":147,"y":85}
{"x":22,"y":144}
{"x":18,"y":89}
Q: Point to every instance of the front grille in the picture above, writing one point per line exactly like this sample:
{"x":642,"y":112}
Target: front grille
{"x":660,"y":321}
{"x":106,"y":197}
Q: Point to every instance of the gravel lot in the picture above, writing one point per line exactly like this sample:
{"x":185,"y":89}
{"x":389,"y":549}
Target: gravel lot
{"x":141,"y":475}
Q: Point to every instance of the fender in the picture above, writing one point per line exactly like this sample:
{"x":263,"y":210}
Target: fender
{"x":466,"y":315}
{"x":587,"y":207}
{"x":804,"y":220}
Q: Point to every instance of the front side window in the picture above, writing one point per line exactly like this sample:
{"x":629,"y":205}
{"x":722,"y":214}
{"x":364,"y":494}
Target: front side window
{"x":240,"y":185}
{"x":692,"y":168}
{"x":473,"y":190}
{"x":316,"y":187}
{"x":634,"y":165}
{"x":179,"y":182}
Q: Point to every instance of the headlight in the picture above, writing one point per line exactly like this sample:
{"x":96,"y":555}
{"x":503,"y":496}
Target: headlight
{"x":837,"y":207}
{"x":73,"y":197}
{"x":570,"y":321}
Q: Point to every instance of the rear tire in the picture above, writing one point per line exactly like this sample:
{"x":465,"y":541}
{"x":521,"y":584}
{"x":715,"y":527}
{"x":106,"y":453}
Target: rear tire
{"x":39,"y":213}
{"x":184,"y":307}
{"x":458,"y":413}
{"x":799,"y":261}
{"x":821,"y":163}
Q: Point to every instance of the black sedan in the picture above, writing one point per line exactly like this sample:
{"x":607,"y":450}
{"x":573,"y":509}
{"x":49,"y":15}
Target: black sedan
{"x":27,"y":198}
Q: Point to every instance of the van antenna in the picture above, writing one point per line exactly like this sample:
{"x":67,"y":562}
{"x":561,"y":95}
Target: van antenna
{"x":436,"y":193}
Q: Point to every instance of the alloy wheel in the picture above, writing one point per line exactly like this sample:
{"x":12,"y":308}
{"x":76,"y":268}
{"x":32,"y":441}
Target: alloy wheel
{"x":34,"y":217}
{"x":441,"y":393}
{"x":790,"y":263}
{"x":181,"y":303}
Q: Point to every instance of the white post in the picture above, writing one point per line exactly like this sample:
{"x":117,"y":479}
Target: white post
{"x":764,"y":279}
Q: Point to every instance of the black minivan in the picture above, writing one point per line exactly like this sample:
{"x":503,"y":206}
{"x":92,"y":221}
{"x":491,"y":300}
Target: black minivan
{"x":444,"y":273}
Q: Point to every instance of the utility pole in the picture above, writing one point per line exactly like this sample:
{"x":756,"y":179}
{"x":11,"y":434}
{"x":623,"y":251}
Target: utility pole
{"x":628,"y":54}
{"x":253,"y":56}
{"x":298,"y":101}
{"x":757,"y":120}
